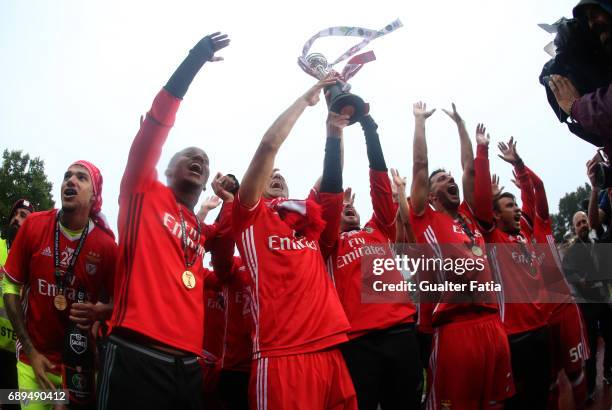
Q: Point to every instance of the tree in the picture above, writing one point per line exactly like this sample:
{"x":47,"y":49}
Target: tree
{"x":568,"y":206}
{"x":22,"y":177}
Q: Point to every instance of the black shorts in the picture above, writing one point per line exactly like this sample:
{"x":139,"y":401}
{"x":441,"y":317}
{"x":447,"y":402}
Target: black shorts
{"x":531,"y":369}
{"x":386,"y":368}
{"x":234,"y":389}
{"x":135,"y":376}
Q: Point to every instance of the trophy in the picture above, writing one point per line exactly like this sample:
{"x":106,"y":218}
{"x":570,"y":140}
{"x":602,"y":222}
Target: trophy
{"x":341,"y":101}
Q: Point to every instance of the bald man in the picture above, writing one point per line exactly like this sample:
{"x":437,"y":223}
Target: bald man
{"x":581,"y":271}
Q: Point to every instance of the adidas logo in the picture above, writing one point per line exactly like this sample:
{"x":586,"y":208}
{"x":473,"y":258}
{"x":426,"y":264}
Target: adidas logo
{"x":46,"y":251}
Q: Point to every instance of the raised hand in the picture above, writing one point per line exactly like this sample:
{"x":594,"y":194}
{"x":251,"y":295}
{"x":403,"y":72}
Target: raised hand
{"x":211,"y":203}
{"x":495,"y":188}
{"x":349,"y":197}
{"x":399,"y":182}
{"x":312,"y":95}
{"x":515,"y":180}
{"x":564,"y":92}
{"x":218,"y":185}
{"x":508,"y":152}
{"x":217,"y":41}
{"x":482,"y":138}
{"x":398,"y":185}
{"x":335,"y":123}
{"x":453,"y":115}
{"x":591,"y":164}
{"x":419,"y":109}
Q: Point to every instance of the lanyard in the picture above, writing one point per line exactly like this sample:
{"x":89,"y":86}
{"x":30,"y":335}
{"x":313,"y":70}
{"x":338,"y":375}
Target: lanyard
{"x":61,"y":278}
{"x":189,"y":263}
{"x":467,"y":230}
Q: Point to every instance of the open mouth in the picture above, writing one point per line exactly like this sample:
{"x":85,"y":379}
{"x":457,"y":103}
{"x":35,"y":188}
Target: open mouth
{"x":453,"y":189}
{"x":349,"y":212}
{"x":195,"y":168}
{"x":69,"y":192}
{"x":276,"y":185}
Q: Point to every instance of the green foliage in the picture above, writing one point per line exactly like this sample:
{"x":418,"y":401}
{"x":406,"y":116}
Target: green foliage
{"x":22,"y":177}
{"x":568,"y":206}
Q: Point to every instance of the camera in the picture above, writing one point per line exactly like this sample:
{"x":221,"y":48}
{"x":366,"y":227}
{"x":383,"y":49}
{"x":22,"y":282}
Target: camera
{"x":603,"y":175}
{"x":581,"y":58}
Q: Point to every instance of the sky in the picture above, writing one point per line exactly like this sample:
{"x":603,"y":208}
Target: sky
{"x":77,"y":76}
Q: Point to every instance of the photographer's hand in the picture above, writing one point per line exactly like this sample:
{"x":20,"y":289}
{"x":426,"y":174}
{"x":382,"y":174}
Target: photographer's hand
{"x":564,"y":92}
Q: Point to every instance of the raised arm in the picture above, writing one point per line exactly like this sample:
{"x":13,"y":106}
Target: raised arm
{"x":385,"y":210}
{"x":593,"y":111}
{"x":262,"y":164}
{"x":404,"y":232}
{"x":482,"y":205}
{"x":467,"y":156}
{"x":595,"y":214}
{"x":208,"y":205}
{"x":146,"y":149}
{"x":522,"y":178}
{"x":219,"y":236}
{"x":419,"y":189}
{"x":329,"y":193}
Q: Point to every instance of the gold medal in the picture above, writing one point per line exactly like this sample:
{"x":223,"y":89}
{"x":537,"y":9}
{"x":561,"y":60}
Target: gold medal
{"x":188,"y":280}
{"x":477,"y":250}
{"x":60,"y":303}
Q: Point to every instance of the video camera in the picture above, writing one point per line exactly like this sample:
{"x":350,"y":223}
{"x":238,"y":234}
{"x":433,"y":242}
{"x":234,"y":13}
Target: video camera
{"x":580,"y":57}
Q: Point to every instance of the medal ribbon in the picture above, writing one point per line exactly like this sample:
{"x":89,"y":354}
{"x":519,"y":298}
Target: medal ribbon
{"x":354,"y":64}
{"x":61,"y":278}
{"x":467,"y":230}
{"x":189,"y":263}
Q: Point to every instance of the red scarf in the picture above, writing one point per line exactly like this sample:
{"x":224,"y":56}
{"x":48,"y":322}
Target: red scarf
{"x":303,"y":216}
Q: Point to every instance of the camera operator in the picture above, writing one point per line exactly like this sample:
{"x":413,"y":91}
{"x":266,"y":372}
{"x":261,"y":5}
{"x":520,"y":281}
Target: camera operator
{"x":579,"y":77}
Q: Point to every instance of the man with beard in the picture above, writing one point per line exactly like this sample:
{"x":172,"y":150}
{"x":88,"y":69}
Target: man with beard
{"x":20,"y":210}
{"x":470,"y":362}
{"x":299,"y":321}
{"x":515,"y":263}
{"x":382,"y":354}
{"x":593,"y":111}
{"x":153,"y":353}
{"x":56,"y":254}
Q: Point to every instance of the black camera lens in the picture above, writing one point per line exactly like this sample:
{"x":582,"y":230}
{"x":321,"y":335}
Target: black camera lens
{"x":603,"y":175}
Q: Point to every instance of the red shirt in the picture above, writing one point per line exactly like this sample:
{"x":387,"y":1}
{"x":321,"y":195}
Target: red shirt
{"x":295,"y":306}
{"x":229,"y":318}
{"x":515,"y":262}
{"x":151,"y":298}
{"x":448,"y":239}
{"x":558,"y":292}
{"x":31,"y":264}
{"x":214,"y":325}
{"x":372,"y":241}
